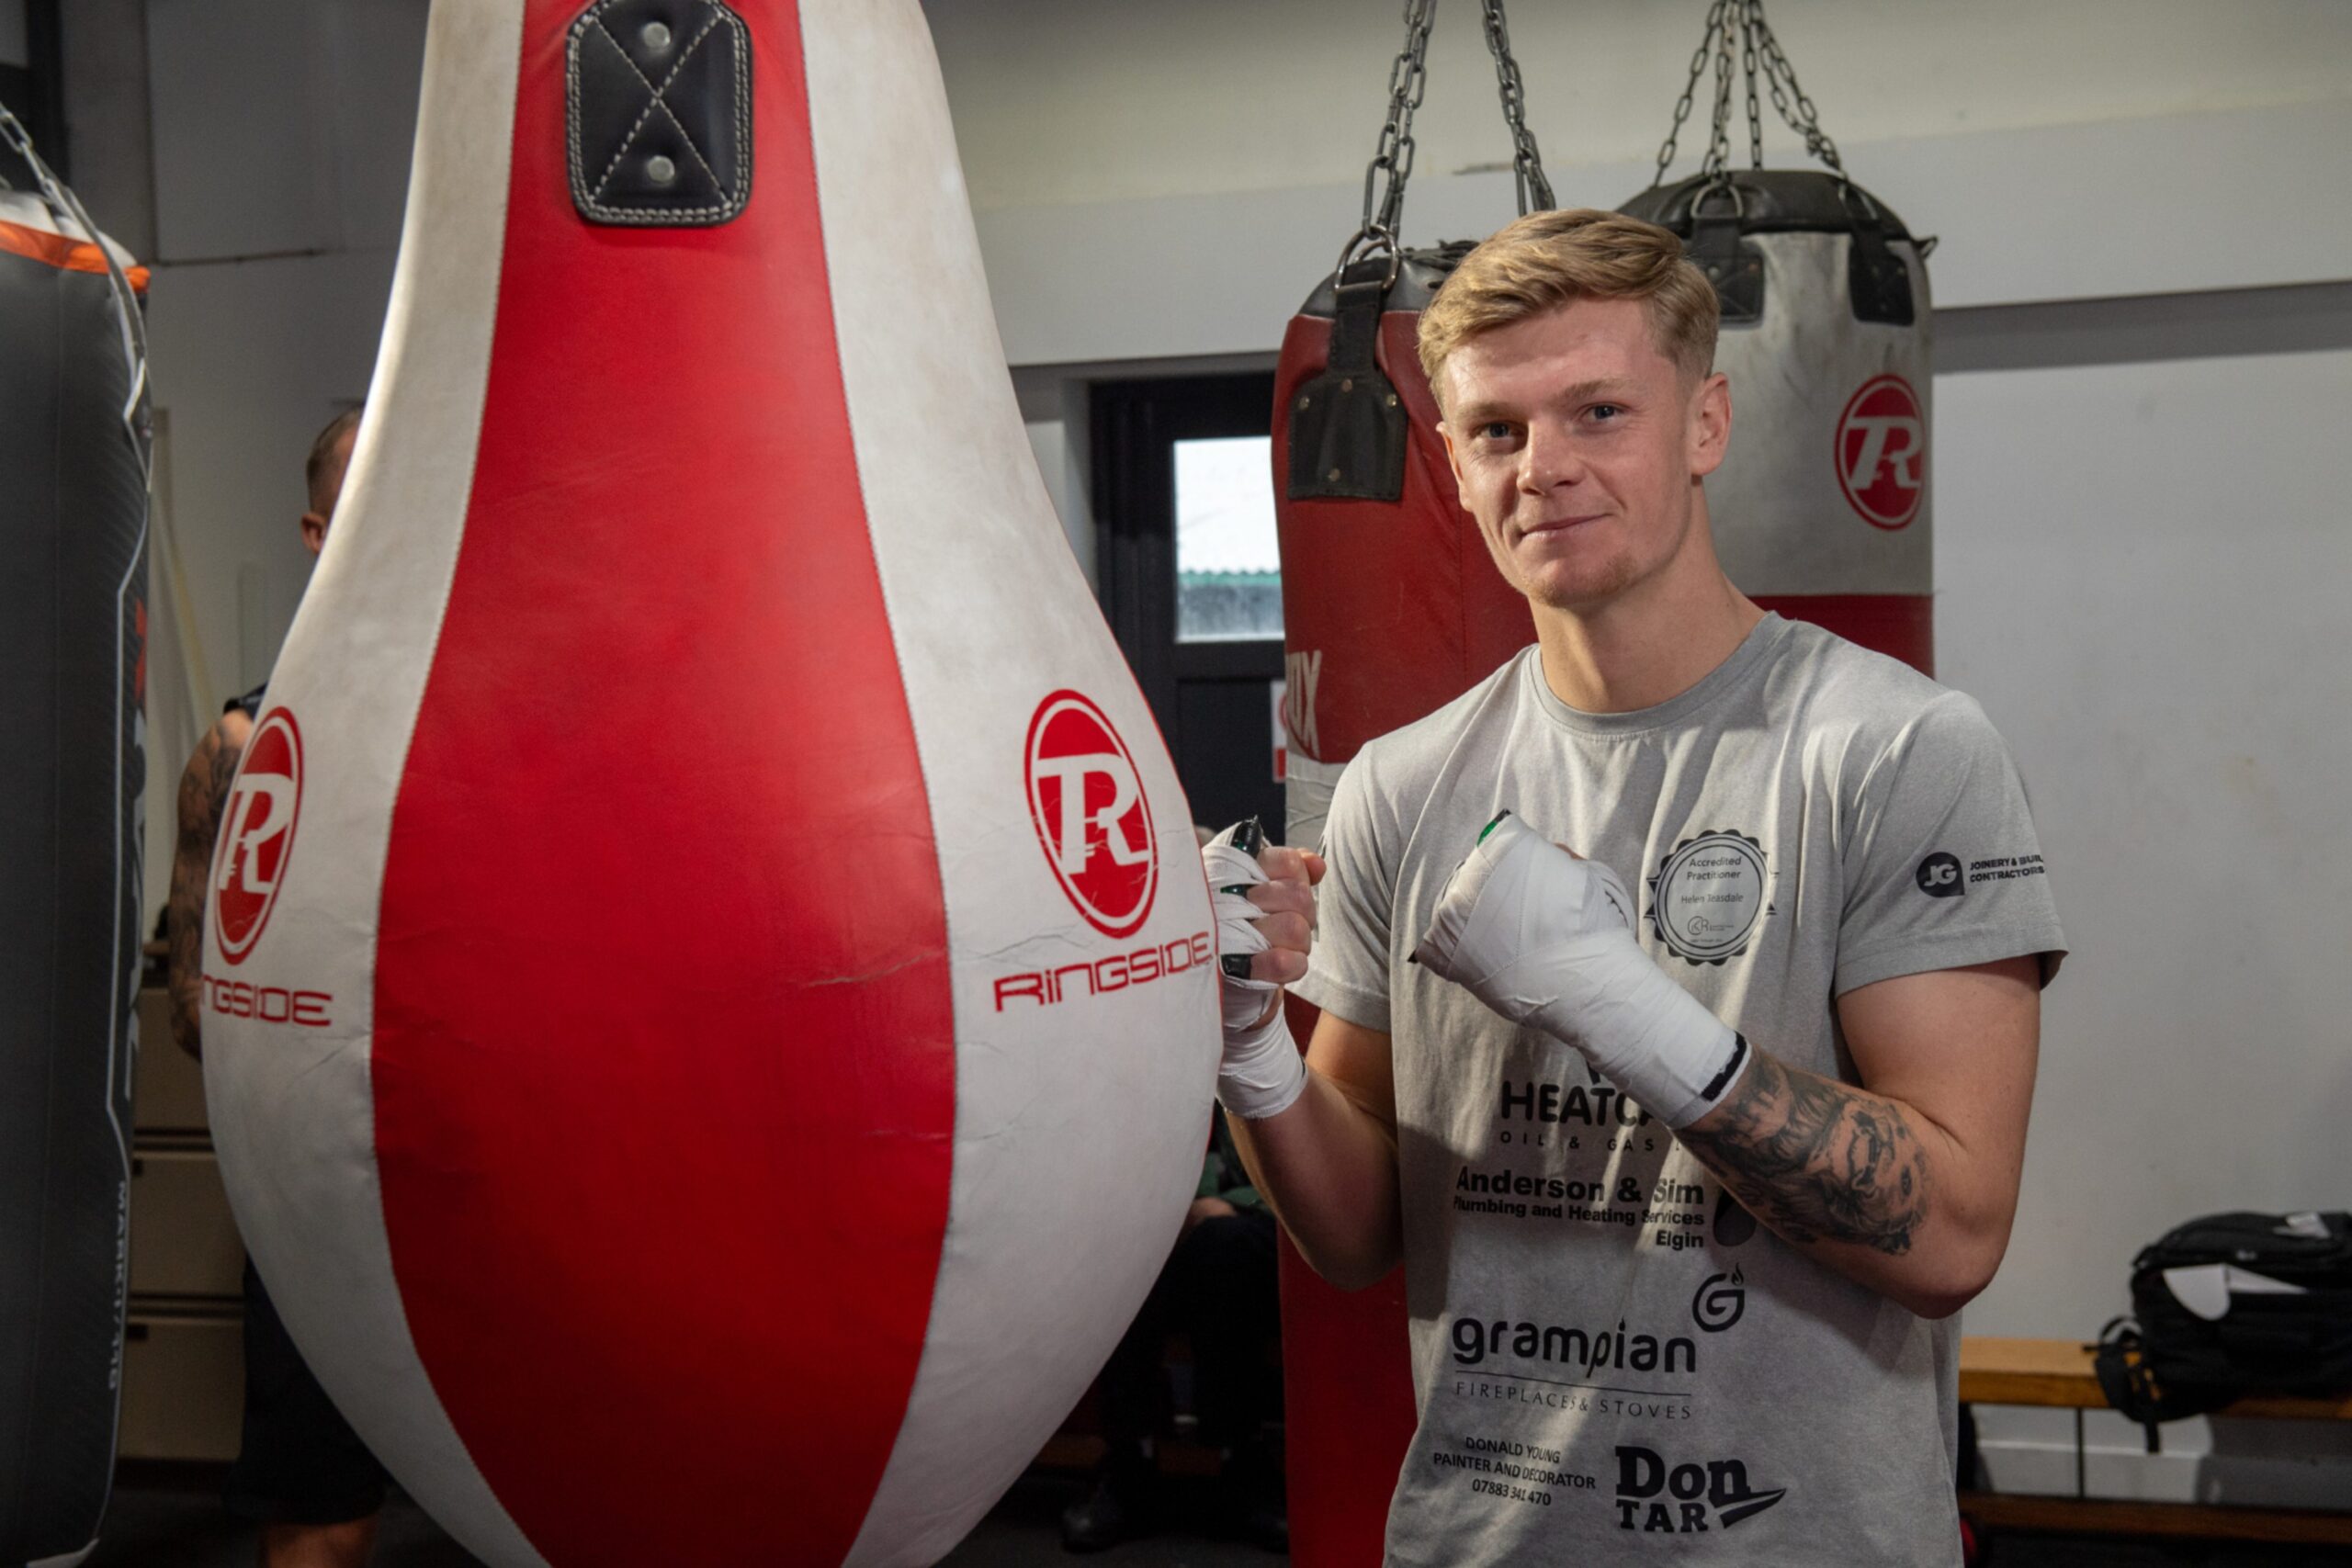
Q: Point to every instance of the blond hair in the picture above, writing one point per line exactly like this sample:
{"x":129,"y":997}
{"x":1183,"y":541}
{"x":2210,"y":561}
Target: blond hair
{"x":1548,"y":259}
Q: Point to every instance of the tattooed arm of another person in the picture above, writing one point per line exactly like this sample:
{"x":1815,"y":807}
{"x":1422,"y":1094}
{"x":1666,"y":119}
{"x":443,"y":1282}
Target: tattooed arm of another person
{"x":204,"y":789}
{"x":1907,"y":1186}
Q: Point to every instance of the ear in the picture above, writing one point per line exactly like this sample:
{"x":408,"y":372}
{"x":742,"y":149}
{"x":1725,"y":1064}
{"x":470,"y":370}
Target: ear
{"x":1709,"y":425}
{"x":1452,"y":453}
{"x":314,"y":532}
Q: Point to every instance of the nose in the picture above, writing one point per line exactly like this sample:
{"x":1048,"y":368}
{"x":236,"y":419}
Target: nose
{"x":1550,"y":459}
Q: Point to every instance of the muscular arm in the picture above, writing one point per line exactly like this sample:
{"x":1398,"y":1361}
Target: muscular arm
{"x":204,"y":786}
{"x":1327,"y":1165}
{"x":1908,"y":1185}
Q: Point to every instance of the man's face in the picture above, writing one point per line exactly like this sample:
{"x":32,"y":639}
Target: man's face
{"x":1578,"y":446}
{"x":316,"y":521}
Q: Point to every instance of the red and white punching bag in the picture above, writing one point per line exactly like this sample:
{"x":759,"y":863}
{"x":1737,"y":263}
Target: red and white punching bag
{"x":711,"y":1003}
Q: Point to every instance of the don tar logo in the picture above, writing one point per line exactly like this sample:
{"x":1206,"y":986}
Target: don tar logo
{"x":1086,"y":798}
{"x":1684,"y":1499}
{"x":1882,"y":452}
{"x":257,"y":834}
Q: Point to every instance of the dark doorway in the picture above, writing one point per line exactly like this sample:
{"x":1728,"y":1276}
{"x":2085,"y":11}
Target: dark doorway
{"x":34,"y":92}
{"x":1189,"y":577}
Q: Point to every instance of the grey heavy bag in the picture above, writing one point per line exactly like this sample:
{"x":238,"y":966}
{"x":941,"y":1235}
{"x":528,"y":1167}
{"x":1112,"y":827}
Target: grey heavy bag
{"x":74,"y":461}
{"x":1821,"y":506}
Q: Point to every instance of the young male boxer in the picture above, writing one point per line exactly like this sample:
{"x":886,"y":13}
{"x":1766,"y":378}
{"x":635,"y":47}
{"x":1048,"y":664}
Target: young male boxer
{"x":1795,"y":981}
{"x":302,"y":1472}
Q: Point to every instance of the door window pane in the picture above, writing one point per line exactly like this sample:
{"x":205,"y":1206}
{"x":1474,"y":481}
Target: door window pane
{"x":1228,"y":568}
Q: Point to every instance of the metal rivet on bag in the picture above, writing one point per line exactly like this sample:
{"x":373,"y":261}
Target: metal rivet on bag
{"x":1392,"y":400}
{"x":659,"y":170}
{"x":1304,"y":401}
{"x":656,"y":37}
{"x":1332,"y":478}
{"x":1348,"y":386}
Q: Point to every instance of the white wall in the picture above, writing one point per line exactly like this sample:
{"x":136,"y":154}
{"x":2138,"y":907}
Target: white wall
{"x":280,"y":147}
{"x":2140,"y":572}
{"x":2140,"y":516}
{"x":1063,"y":102}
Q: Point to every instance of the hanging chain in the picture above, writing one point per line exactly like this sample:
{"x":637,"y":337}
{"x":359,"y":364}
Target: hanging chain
{"x":1392,"y":164}
{"x":1748,"y":24}
{"x":1690,"y":91}
{"x":1805,"y":120}
{"x":1526,"y":162}
{"x":1739,"y":39}
{"x":1716,"y":165}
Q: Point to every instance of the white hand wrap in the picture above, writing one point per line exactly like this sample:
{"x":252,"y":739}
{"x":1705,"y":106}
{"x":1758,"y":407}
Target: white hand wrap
{"x":1546,"y":939}
{"x":1261,"y":1073}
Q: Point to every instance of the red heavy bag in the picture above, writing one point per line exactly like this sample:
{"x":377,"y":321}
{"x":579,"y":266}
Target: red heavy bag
{"x":711,"y":1011}
{"x":1391,"y":607}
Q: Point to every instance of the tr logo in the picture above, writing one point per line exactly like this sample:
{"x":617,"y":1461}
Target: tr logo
{"x":1939,"y":876}
{"x":1086,"y":799}
{"x":257,"y":834}
{"x":1881,"y":449}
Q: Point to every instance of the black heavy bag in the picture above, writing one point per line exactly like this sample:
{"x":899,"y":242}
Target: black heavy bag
{"x":72,"y":668}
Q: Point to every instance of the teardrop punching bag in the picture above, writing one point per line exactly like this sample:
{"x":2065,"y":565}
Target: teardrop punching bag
{"x":712,"y":1004}
{"x":1392,"y":605}
{"x":73,"y":667}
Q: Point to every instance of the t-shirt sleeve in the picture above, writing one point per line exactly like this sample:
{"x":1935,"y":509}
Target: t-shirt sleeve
{"x":1347,"y":968}
{"x":1943,"y":868}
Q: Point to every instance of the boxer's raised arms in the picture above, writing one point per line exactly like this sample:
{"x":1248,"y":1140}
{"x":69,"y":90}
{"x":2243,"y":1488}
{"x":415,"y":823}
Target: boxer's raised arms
{"x":1906,"y":1184}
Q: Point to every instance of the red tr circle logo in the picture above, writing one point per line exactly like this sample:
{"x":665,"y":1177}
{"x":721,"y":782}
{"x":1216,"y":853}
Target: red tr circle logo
{"x":1093,"y":821}
{"x":257,"y":834}
{"x":1881,"y":452}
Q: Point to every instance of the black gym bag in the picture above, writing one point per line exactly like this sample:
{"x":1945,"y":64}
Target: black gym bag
{"x":2244,"y":1336}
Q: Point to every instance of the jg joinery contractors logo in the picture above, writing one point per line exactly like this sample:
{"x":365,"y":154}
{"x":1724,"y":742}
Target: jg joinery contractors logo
{"x":1086,"y":799}
{"x":258,"y":835}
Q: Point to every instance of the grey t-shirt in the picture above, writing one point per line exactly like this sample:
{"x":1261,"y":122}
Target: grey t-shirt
{"x":1613,"y":1361}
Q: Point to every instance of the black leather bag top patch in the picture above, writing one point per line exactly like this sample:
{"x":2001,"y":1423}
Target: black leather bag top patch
{"x":658,"y":96}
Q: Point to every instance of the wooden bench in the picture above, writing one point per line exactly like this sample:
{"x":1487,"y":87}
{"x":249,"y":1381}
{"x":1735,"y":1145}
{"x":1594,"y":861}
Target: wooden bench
{"x":2056,"y":1373}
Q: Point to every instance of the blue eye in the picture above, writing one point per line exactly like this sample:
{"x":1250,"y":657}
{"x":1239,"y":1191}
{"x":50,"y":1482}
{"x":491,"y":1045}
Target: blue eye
{"x":1494,"y":429}
{"x":1607,"y":411}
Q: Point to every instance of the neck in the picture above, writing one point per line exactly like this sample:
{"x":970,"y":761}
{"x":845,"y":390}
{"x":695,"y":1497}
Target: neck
{"x":1651,"y":643}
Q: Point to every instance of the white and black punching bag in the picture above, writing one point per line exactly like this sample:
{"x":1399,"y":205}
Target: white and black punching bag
{"x":711,"y":994}
{"x":72,"y":674}
{"x":1821,"y":508}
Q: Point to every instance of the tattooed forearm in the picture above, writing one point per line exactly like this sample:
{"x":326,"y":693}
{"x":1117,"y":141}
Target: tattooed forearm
{"x":1816,"y":1159}
{"x":204,"y":786}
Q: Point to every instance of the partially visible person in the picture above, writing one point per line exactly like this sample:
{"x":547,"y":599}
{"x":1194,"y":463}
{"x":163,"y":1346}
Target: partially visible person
{"x":1219,"y":1290}
{"x":302,"y":1472}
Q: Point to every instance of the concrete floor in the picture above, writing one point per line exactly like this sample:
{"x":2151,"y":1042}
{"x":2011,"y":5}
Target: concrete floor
{"x":164,"y":1518}
{"x":174,"y":1520}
